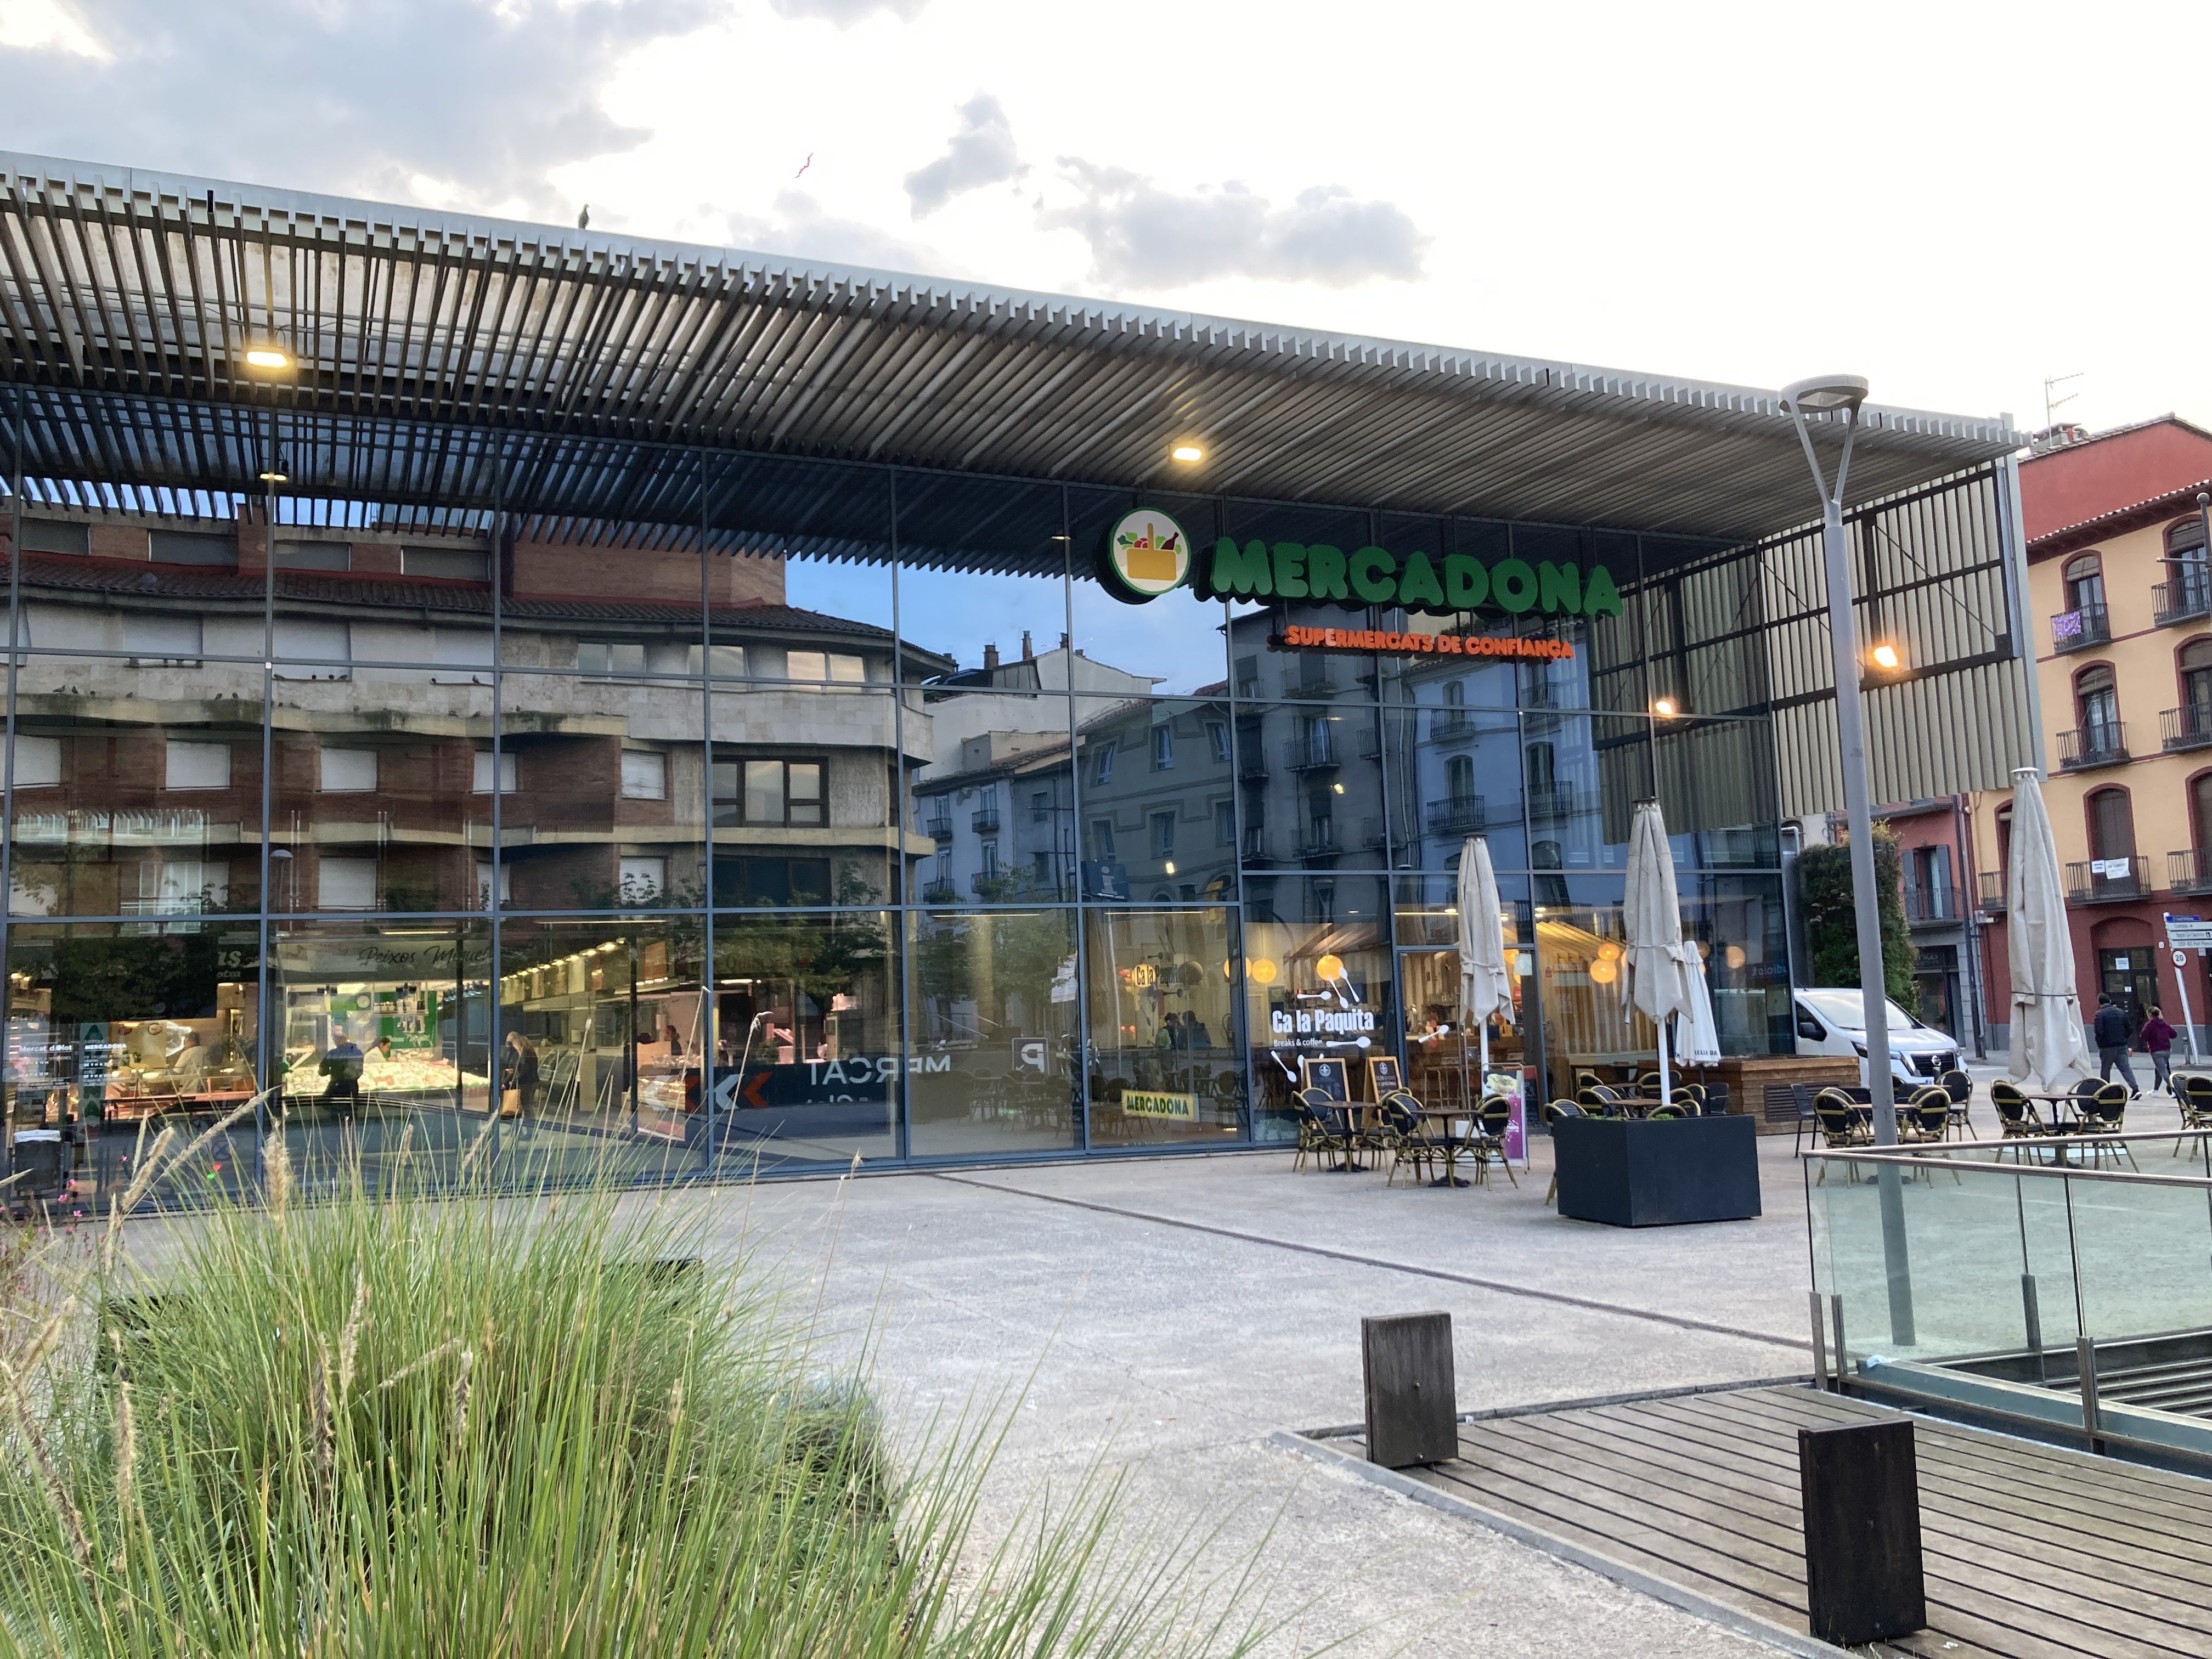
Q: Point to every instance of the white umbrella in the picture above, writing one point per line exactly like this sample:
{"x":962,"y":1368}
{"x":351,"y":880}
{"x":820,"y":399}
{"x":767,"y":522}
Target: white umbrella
{"x":1699,"y":1036}
{"x":1656,"y":969}
{"x":1485,"y":987}
{"x":2048,"y":1051}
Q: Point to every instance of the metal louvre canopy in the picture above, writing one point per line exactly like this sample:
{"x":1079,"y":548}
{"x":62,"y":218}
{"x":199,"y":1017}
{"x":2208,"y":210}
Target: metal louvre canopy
{"x":154,"y":286}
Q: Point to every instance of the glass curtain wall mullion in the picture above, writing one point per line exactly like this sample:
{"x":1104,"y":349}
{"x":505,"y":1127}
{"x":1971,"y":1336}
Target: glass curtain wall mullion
{"x":270,"y":1057}
{"x":1240,"y":1019}
{"x":8,"y":763}
{"x":496,"y":962}
{"x":902,"y":886}
{"x":1379,"y":715}
{"x":1075,"y":810}
{"x":710,"y":1047}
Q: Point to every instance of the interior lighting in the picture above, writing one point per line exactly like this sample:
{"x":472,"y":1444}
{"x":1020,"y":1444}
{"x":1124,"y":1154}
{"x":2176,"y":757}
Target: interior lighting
{"x":1171,"y":867}
{"x":1330,"y":967}
{"x":1887,"y":655}
{"x":1186,"y":453}
{"x":1603,"y":971}
{"x":267,"y":357}
{"x":1663,"y":706}
{"x":1261,"y":970}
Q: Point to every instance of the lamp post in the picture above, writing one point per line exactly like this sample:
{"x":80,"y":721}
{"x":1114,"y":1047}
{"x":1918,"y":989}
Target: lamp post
{"x":1832,"y":396}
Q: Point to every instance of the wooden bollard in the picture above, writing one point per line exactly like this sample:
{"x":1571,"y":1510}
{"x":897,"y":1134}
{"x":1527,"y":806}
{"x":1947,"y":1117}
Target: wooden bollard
{"x":1412,"y":1410}
{"x":1863,"y":1567}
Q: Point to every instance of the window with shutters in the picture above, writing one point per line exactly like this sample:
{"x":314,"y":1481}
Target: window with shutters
{"x":349,"y":771}
{"x":193,"y":765}
{"x":644,"y":774}
{"x":2097,"y":699}
{"x":2112,"y":825}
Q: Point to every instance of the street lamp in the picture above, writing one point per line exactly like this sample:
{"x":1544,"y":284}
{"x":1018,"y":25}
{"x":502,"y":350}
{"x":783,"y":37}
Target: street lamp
{"x":1836,"y":398}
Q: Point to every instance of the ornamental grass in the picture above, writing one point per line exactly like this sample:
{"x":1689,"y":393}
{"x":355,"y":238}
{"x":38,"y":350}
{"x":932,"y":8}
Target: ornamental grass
{"x":414,"y":1420}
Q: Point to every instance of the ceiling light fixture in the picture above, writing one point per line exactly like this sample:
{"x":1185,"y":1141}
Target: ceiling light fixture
{"x":1663,"y":706}
{"x":1887,"y":655}
{"x":1188,"y":453}
{"x":267,"y":357}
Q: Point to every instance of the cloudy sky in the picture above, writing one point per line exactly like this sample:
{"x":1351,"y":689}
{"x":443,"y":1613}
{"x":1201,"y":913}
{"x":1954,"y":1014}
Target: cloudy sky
{"x":1955,"y":200}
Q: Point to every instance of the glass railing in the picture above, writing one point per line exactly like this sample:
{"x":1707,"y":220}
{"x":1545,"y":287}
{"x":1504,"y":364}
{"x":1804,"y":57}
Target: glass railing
{"x":2042,"y":1282}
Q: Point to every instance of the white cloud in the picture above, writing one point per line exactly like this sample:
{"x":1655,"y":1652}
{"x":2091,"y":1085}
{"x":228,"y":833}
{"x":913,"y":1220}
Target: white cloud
{"x":845,"y":12}
{"x":981,"y":153}
{"x":1143,"y":236}
{"x":481,"y":100}
{"x":801,"y":227}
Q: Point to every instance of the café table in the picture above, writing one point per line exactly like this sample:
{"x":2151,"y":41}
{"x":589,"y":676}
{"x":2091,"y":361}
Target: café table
{"x":1350,"y":1114}
{"x":1451,"y":1145}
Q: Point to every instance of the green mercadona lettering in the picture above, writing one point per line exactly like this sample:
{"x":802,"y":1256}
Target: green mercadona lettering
{"x":1369,"y":575}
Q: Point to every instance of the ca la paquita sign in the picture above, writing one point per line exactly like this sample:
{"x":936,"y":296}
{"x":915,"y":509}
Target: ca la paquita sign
{"x":1146,"y":554}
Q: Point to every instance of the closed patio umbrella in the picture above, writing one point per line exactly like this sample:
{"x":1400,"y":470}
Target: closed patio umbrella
{"x":1485,"y":987}
{"x":1655,"y":974}
{"x":2049,"y":1054}
{"x":1699,"y":1036}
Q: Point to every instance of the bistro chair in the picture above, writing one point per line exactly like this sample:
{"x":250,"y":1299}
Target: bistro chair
{"x":1959,"y":1088}
{"x":1586,"y":1078}
{"x":1552,"y":1113}
{"x":2104,"y":1120}
{"x":1600,"y":1101}
{"x":1397,"y":1131}
{"x":1926,"y":1120}
{"x":2193,"y":1094}
{"x":1320,"y":1134}
{"x":1668,"y":1108}
{"x":2016,"y":1118}
{"x":1838,"y":1125}
{"x":1691,"y":1095}
{"x":1647,"y":1083}
{"x":1492,"y":1118}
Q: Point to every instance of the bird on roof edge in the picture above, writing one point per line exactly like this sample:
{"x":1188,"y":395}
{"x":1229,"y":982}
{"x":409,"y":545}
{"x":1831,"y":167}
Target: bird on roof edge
{"x":584,"y":219}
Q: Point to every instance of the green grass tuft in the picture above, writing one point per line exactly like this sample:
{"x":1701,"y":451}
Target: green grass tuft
{"x":413,"y":1424}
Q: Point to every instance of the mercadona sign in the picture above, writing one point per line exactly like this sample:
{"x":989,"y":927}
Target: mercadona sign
{"x":1146,"y":554}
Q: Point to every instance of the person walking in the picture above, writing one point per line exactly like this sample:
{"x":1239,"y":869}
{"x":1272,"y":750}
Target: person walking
{"x":342,"y":1065}
{"x":2157,"y":1039}
{"x":2111,"y":1030}
{"x":518,"y":1077}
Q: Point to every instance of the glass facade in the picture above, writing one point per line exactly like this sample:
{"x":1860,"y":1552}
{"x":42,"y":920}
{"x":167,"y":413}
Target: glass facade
{"x":760,"y":813}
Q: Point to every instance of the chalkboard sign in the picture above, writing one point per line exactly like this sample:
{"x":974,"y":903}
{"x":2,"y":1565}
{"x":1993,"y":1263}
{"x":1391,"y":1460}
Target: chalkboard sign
{"x":1332,"y":1076}
{"x":1383,"y":1075}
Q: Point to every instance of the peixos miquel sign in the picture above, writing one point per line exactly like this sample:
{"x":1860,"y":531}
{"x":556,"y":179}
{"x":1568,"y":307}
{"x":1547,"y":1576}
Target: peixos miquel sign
{"x":1146,"y":554}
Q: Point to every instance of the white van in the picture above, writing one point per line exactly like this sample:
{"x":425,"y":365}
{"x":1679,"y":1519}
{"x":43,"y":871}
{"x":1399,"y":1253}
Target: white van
{"x":1833,"y":1022}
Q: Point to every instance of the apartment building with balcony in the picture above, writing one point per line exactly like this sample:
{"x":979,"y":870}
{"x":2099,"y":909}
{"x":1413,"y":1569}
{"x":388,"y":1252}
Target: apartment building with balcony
{"x":2120,"y":594}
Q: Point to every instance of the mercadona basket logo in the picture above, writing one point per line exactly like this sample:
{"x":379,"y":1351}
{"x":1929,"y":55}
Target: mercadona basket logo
{"x":1145,"y":555}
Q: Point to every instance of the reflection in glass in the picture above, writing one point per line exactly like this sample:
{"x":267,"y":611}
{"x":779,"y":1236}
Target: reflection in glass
{"x":991,"y":1025}
{"x":1156,"y":797}
{"x":385,"y":1041}
{"x":800,"y":795}
{"x":384,"y":808}
{"x":1455,"y":771}
{"x":996,"y":807}
{"x":1311,"y":776}
{"x":603,"y":808}
{"x":1717,"y":786}
{"x":602,"y":1041}
{"x":136,"y":793}
{"x":1164,"y":1063}
{"x":1319,"y":982}
{"x":807,"y":1039}
{"x":110,"y":1032}
{"x":1581,"y":775}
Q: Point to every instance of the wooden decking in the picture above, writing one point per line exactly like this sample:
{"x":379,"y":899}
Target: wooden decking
{"x":2032,"y":1552}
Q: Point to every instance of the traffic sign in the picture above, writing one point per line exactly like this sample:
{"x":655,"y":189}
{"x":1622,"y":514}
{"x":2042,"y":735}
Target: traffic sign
{"x":2188,"y":933}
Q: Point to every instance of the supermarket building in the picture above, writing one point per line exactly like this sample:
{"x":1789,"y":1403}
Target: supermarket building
{"x":819,"y":713}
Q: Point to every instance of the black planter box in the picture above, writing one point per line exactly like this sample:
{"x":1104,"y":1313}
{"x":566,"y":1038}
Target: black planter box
{"x":1629,"y":1173}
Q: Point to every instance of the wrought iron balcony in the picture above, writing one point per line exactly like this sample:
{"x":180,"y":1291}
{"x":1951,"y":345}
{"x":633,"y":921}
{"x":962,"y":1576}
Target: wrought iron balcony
{"x":2189,"y":871}
{"x":1373,"y":833}
{"x":2085,"y":884}
{"x":1256,"y":841}
{"x":2093,"y":745}
{"x":1449,"y":722}
{"x":1320,"y":838}
{"x":939,"y":827}
{"x":1928,"y":906}
{"x":939,"y":891}
{"x":1458,"y":815}
{"x":2183,"y":599}
{"x":1251,"y":761}
{"x":1552,"y":801}
{"x":1310,"y":756}
{"x":985,"y":821}
{"x":1993,"y":892}
{"x":2189,"y":726}
{"x":2076,"y":630}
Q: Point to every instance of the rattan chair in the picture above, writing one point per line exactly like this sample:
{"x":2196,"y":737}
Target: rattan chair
{"x":1492,"y":1119}
{"x":1552,"y":1113}
{"x":2193,"y":1094}
{"x":1321,"y":1135}
{"x":1399,"y":1132}
{"x":2104,"y":1120}
{"x":1838,"y":1125}
{"x":1961,"y":1089}
{"x":2017,"y":1120}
